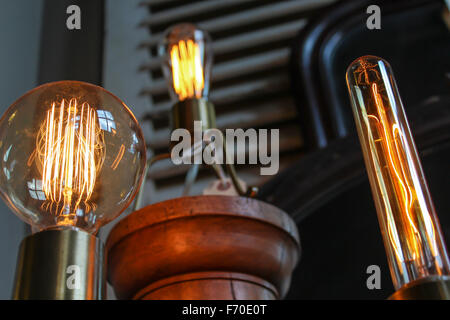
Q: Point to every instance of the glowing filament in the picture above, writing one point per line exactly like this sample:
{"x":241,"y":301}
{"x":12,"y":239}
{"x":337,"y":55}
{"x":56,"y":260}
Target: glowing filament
{"x":392,"y":141}
{"x":70,"y":151}
{"x":187,"y":70}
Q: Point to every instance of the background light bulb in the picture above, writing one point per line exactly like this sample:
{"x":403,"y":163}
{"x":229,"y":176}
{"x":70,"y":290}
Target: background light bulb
{"x":187,"y":60}
{"x":410,"y":228}
{"x":72,"y":155}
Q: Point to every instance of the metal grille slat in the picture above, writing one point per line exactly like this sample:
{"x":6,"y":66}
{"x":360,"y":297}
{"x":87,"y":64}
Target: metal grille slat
{"x":154,"y":2}
{"x":243,"y":41}
{"x":240,"y":19}
{"x":190,"y":10}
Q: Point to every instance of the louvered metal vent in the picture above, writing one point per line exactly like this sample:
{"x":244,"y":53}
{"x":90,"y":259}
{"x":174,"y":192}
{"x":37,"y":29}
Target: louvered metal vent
{"x":250,"y":84}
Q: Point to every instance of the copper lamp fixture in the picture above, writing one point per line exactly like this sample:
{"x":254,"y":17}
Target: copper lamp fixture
{"x":208,"y":246}
{"x":416,"y":252}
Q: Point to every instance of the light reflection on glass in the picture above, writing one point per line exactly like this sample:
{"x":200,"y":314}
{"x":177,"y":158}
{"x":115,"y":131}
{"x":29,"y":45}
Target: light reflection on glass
{"x":106,"y":121}
{"x":35,"y":189}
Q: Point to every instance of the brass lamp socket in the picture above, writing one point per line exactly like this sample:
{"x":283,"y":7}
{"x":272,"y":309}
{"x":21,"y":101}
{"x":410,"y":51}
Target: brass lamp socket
{"x":185,"y":112}
{"x":430,"y":288}
{"x":62,"y":264}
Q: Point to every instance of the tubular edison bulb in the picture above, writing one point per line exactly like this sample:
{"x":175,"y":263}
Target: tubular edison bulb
{"x":408,"y":221}
{"x":72,"y":155}
{"x":187,"y":60}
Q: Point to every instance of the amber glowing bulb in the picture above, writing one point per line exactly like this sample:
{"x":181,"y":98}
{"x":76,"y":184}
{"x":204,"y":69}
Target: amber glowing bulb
{"x":72,"y":159}
{"x":187,"y":60}
{"x":73,"y":156}
{"x":409,"y":225}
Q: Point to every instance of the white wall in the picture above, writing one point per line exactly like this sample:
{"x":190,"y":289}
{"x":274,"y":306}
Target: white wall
{"x":20,"y":24}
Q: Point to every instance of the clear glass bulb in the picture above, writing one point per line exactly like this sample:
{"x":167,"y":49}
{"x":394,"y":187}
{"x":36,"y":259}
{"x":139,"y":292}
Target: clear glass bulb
{"x":187,"y":60}
{"x":72,"y":155}
{"x":409,"y":225}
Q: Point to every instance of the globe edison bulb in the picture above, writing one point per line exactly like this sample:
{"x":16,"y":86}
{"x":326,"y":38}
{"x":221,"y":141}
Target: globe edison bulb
{"x":72,"y":156}
{"x":187,"y":61}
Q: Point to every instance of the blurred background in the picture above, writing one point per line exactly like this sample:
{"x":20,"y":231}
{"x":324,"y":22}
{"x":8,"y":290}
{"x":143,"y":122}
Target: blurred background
{"x":278,"y":64}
